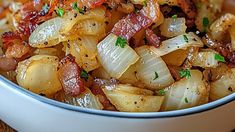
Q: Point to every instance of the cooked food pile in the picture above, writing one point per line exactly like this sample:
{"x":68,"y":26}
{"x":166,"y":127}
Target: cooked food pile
{"x":120,"y":55}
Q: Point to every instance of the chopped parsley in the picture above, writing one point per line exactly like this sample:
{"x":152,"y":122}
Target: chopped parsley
{"x":145,"y":3}
{"x":219,"y":58}
{"x":121,"y":42}
{"x":186,"y":100}
{"x":185,"y":73}
{"x":84,"y":75}
{"x":60,"y":12}
{"x":185,"y":38}
{"x":205,"y":22}
{"x":162,"y":92}
{"x":174,"y":16}
{"x":75,"y":7}
{"x":156,"y":76}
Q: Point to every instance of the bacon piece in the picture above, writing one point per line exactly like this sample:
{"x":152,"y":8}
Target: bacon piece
{"x":152,"y":10}
{"x":152,"y":38}
{"x":7,"y":64}
{"x":224,"y":50}
{"x":69,"y":75}
{"x":130,"y":25}
{"x":96,"y":89}
{"x":17,"y":50}
{"x":90,"y":3}
{"x":188,"y":8}
{"x":174,"y":70}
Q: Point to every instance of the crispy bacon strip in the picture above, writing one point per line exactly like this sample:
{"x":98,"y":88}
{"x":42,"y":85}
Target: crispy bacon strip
{"x":69,"y":75}
{"x":188,"y":8}
{"x":96,"y":89}
{"x":152,"y":38}
{"x":7,"y":64}
{"x":130,"y":25}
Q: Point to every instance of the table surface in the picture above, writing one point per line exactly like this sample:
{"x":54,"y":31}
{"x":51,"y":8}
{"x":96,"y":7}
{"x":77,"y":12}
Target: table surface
{"x":5,"y":128}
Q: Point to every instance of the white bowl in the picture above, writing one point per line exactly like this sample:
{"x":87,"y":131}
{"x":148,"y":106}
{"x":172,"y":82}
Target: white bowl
{"x":28,"y":112}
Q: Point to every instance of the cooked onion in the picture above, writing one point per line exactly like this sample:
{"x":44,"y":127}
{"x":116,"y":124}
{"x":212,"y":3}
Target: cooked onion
{"x":132,"y":99}
{"x":205,"y":59}
{"x":224,"y":86}
{"x":232,"y":35}
{"x":186,"y":93}
{"x":46,"y":34}
{"x":180,"y":42}
{"x":152,"y":70}
{"x":86,"y":99}
{"x":114,"y":59}
{"x":221,"y":26}
{"x":39,"y":74}
{"x":172,"y":27}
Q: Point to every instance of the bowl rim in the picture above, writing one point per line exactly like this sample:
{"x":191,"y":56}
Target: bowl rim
{"x":140,"y":115}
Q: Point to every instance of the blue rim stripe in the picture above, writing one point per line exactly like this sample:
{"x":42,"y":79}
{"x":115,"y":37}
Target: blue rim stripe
{"x":167,"y":114}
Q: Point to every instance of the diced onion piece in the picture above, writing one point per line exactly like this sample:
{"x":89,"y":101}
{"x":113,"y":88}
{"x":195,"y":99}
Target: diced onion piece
{"x":205,"y":59}
{"x":176,"y":58}
{"x":46,"y":34}
{"x":39,"y":74}
{"x":179,"y":42}
{"x":130,"y":77}
{"x":114,"y":59}
{"x":232,"y":35}
{"x":85,"y":59}
{"x":127,"y":100}
{"x":46,"y":51}
{"x":101,"y":73}
{"x":152,"y":70}
{"x":224,"y":86}
{"x":151,"y":10}
{"x":172,"y":27}
{"x":187,"y":92}
{"x":86,"y":100}
{"x":132,"y":90}
{"x":91,"y":27}
{"x":90,"y":43}
{"x":220,"y":26}
{"x":205,"y":16}
{"x":216,"y":5}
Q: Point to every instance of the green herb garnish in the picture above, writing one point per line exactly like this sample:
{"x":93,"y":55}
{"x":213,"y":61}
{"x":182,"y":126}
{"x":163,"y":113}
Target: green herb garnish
{"x":174,"y":16}
{"x":219,"y":58}
{"x":75,"y":7}
{"x":186,"y":100}
{"x":162,"y":92}
{"x":156,"y":76}
{"x":60,"y":12}
{"x":205,"y":22}
{"x":145,"y":3}
{"x":121,"y":42}
{"x":84,"y":75}
{"x":185,"y":73}
{"x":185,"y":38}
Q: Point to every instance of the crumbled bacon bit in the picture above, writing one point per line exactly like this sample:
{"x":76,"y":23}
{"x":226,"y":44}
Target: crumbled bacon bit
{"x":152,"y":38}
{"x":130,"y":25}
{"x":7,"y":64}
{"x":69,"y":75}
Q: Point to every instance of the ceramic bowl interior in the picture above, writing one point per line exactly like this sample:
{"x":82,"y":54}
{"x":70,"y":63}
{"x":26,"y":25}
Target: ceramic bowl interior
{"x":175,"y":113}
